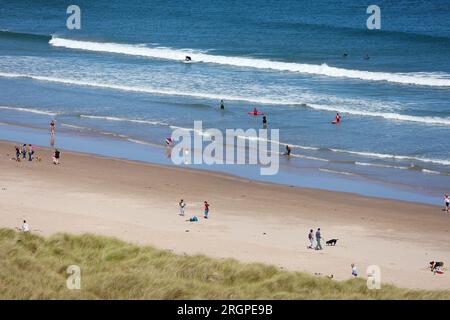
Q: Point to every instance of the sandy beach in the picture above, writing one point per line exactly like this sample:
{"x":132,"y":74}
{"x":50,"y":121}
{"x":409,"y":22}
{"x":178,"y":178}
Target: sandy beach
{"x":249,"y":221}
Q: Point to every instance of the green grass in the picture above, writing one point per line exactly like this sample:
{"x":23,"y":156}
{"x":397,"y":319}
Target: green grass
{"x":33,"y":267}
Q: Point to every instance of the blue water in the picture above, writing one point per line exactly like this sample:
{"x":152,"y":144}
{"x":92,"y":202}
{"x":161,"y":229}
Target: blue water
{"x":284,"y":57}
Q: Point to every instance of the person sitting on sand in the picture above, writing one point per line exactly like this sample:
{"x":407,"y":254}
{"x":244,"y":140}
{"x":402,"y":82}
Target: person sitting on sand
{"x":447,"y":202}
{"x":354,"y":270}
{"x":206,"y":209}
{"x":182,"y":205}
{"x":193,"y":219}
{"x":435,"y":266}
{"x":24,"y":227}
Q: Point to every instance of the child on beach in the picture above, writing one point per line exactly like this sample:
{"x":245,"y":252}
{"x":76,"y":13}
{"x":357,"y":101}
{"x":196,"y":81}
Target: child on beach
{"x":182,"y":205}
{"x":447,"y":202}
{"x":206,"y":210}
{"x":193,"y":219}
{"x":311,"y":239}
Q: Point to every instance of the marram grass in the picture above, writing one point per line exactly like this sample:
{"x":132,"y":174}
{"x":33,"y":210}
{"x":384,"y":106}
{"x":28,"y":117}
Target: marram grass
{"x":33,"y":267}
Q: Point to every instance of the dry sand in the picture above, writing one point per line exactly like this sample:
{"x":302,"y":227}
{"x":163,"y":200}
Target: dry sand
{"x":249,"y":221}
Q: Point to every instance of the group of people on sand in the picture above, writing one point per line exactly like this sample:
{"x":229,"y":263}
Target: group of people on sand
{"x":25,"y":152}
{"x":182,"y":205}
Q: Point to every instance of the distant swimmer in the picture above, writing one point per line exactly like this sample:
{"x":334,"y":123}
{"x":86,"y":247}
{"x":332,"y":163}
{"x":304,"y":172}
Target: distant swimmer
{"x":337,"y":119}
{"x":345,"y":55}
{"x":366,"y":57}
{"x":188,"y":58}
{"x":222,"y":105}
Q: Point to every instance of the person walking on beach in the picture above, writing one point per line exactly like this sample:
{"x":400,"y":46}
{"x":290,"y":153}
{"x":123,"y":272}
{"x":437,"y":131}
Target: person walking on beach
{"x":447,"y":202}
{"x":311,"y":239}
{"x":206,"y":209}
{"x":56,"y":156}
{"x":30,"y":152}
{"x":318,"y":238}
{"x":24,"y":151}
{"x":182,"y":205}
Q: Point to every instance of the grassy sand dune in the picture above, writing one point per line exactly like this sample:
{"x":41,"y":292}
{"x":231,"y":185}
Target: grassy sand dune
{"x":33,"y":267}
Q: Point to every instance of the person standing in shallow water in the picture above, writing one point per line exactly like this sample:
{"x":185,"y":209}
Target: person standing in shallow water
{"x":222,"y":105}
{"x":264,"y":122}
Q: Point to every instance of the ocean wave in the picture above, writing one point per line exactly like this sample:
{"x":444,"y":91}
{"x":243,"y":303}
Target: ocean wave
{"x":393,"y":157}
{"x":321,"y":70}
{"x":258,"y":100}
{"x":385,"y":115}
{"x":124,"y":120}
{"x":30,"y":110}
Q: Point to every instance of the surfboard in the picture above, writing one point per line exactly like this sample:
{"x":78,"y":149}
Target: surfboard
{"x":258,"y":114}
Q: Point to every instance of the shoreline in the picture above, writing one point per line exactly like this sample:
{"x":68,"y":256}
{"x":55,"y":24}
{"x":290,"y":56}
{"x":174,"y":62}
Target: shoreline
{"x":309,"y":175}
{"x":137,"y":202}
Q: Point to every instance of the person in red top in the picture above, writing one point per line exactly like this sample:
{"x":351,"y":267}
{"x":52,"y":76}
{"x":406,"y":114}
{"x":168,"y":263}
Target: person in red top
{"x":255,"y":112}
{"x":206,"y":210}
{"x":338,"y":117}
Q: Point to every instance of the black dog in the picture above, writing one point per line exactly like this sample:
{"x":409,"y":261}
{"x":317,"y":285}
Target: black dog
{"x":331,"y":242}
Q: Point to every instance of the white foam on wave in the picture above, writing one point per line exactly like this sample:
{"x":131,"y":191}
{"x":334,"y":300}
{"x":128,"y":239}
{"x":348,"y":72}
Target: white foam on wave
{"x":385,"y":115}
{"x":30,"y":110}
{"x":124,"y":120}
{"x":212,"y":96}
{"x":422,"y":79}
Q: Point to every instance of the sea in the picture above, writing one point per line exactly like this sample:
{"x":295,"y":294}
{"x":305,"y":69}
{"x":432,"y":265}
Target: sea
{"x":118,"y":86}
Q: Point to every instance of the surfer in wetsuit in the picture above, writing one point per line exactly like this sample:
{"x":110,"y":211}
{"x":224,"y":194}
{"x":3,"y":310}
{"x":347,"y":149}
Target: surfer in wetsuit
{"x":222,"y":105}
{"x":187,"y":58}
{"x":264,"y":122}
